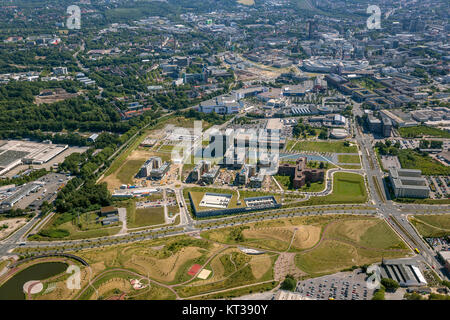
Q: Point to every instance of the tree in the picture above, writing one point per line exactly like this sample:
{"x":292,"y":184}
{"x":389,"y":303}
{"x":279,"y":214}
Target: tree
{"x":413,"y":296}
{"x":390,"y":284}
{"x":323,"y":135}
{"x":289,"y":283}
{"x":379,"y":294}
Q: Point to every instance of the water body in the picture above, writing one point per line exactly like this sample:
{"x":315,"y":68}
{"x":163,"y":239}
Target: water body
{"x":13,"y":288}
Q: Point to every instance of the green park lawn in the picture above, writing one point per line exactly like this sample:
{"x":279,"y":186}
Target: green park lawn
{"x":324,"y":146}
{"x":348,"y":158}
{"x":347,"y":188}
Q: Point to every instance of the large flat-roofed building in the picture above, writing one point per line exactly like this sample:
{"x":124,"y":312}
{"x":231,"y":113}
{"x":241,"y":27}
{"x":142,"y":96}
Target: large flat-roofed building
{"x":445,"y":257}
{"x":406,"y":273}
{"x":221,"y":105}
{"x":408,"y":183}
{"x":363,"y":95}
{"x":108,"y":211}
{"x":300,"y":174}
{"x":274,"y":125}
{"x":20,"y":194}
{"x":14,"y":153}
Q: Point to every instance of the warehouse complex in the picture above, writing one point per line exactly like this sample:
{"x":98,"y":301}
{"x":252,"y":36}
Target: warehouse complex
{"x":14,"y":153}
{"x":406,"y":273}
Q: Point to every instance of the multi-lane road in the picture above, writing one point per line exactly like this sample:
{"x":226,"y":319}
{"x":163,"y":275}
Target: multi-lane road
{"x":393,"y":213}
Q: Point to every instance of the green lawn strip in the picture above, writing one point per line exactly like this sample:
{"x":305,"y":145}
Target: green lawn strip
{"x":423,"y":201}
{"x":349,"y":158}
{"x":324,"y":146}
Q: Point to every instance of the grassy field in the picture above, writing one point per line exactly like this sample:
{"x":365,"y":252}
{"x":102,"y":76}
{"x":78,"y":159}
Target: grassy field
{"x":166,"y":148}
{"x":320,"y":244}
{"x":323,"y":244}
{"x":347,"y":188}
{"x":413,"y":160}
{"x":351,"y":242}
{"x":286,"y":183}
{"x":144,"y":217}
{"x":432,"y":226}
{"x":421,"y":131}
{"x":129,"y":170}
{"x":348,"y":158}
{"x":85,"y":226}
{"x":324,"y":146}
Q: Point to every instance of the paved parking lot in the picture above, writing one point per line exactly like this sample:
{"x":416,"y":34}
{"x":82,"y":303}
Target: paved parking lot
{"x":339,"y":286}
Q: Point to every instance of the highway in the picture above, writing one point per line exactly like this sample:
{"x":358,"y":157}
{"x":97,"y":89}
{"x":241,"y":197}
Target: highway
{"x":379,"y":205}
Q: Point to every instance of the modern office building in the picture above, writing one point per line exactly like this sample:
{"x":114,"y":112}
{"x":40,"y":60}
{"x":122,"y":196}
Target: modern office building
{"x":225,"y":104}
{"x":211,"y":176}
{"x":153,"y":168}
{"x":300,"y":174}
{"x":408,"y":183}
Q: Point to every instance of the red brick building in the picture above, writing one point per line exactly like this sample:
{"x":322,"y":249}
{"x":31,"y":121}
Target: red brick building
{"x":300,"y":174}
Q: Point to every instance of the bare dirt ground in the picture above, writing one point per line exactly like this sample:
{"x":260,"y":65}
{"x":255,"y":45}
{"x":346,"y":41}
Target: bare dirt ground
{"x":12,"y":225}
{"x":112,"y":180}
{"x":58,"y":95}
{"x":285,"y":265}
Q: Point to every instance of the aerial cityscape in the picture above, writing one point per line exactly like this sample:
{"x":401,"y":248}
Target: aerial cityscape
{"x":225,"y":150}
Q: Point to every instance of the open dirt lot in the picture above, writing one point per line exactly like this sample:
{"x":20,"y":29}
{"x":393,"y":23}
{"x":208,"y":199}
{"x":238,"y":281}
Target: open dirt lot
{"x":12,"y":225}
